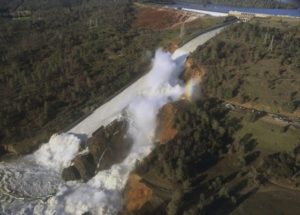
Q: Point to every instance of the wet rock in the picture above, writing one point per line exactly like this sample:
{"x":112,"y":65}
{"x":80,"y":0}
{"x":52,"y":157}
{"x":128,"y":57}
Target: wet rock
{"x":97,"y":145}
{"x":85,"y":165}
{"x":108,"y":145}
{"x":2,"y":150}
{"x":71,"y":174}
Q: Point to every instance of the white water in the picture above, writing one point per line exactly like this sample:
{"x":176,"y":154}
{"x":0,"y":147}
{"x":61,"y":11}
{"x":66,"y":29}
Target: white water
{"x":33,"y":185}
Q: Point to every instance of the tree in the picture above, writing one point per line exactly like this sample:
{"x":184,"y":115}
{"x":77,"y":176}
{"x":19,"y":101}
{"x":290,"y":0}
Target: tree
{"x":174,"y":204}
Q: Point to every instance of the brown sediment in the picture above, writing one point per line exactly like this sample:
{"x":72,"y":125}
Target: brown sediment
{"x":161,"y":18}
{"x":193,"y":71}
{"x":173,"y":47}
{"x":136,"y":194}
{"x":166,"y":126}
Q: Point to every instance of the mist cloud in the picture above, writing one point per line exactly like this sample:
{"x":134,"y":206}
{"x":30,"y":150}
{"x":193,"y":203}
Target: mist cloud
{"x":103,"y":193}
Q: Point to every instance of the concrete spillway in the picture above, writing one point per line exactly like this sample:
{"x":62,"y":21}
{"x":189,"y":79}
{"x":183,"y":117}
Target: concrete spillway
{"x":32,"y":185}
{"x":109,"y":111}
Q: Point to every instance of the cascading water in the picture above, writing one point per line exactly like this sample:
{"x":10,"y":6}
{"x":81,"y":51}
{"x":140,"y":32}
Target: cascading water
{"x":32,"y":185}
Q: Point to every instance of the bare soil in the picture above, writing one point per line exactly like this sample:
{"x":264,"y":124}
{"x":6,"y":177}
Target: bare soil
{"x":161,"y":18}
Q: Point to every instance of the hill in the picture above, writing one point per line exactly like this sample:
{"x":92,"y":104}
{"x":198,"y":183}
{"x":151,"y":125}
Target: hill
{"x":212,"y":166}
{"x":255,"y":64}
{"x":215,"y":159}
{"x":65,"y":58}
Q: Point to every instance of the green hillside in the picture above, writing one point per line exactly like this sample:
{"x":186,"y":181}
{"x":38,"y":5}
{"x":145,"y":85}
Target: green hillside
{"x":62,"y":59}
{"x":223,"y":160}
{"x":255,"y":63}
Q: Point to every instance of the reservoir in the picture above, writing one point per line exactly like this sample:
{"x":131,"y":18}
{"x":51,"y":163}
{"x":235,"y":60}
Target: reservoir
{"x":226,"y":9}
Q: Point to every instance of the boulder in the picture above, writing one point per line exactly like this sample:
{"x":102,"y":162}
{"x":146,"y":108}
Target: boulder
{"x":70,"y":174}
{"x":108,"y":145}
{"x":85,"y":165}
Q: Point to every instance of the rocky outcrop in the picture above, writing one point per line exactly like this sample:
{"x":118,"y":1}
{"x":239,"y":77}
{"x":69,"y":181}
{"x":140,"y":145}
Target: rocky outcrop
{"x":70,"y":174}
{"x":108,"y":145}
{"x":85,"y":165}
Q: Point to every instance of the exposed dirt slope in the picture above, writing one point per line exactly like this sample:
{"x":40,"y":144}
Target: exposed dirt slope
{"x":193,"y":71}
{"x":136,"y":193}
{"x":166,"y":128}
{"x":161,"y":18}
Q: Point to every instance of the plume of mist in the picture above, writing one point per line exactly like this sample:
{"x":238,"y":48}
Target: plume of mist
{"x":58,"y":152}
{"x":103,"y":193}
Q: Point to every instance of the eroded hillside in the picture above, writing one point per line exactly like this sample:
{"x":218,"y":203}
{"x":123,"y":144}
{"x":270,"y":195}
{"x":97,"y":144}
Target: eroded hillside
{"x":57,"y":69}
{"x":215,"y":158}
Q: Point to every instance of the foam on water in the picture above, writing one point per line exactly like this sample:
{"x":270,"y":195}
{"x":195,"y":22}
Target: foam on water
{"x":58,"y":152}
{"x":35,"y":182}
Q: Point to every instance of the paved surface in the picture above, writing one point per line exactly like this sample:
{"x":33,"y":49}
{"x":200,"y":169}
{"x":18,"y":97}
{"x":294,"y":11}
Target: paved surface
{"x":192,"y":45}
{"x":111,"y":110}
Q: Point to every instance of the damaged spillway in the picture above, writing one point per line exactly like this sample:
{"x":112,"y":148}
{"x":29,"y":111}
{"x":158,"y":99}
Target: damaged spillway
{"x":33,"y":184}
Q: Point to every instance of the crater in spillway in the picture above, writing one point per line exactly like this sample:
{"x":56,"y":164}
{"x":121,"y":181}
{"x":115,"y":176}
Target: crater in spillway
{"x":33,"y":185}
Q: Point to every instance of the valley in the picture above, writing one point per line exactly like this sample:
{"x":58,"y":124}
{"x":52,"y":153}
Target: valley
{"x":154,"y":110}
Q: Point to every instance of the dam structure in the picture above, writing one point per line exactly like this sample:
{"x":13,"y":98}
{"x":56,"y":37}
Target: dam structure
{"x":112,"y":109}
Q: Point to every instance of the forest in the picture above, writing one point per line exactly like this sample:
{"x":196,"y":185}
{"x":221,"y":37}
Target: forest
{"x":207,"y":168}
{"x":63,"y":60}
{"x":257,"y":63}
{"x":222,"y":160}
{"x":59,"y":60}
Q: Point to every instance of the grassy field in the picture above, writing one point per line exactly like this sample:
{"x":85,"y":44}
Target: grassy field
{"x":275,"y":201}
{"x":270,"y":137}
{"x":255,"y":63}
{"x":204,"y":172}
{"x":221,"y":162}
{"x":277,"y":22}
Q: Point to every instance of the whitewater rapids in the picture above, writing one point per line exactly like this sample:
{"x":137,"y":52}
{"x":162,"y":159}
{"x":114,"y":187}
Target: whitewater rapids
{"x":32,"y":185}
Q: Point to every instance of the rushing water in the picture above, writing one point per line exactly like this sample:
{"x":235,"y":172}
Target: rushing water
{"x":32,"y":184}
{"x":226,"y":9}
{"x":27,"y":187}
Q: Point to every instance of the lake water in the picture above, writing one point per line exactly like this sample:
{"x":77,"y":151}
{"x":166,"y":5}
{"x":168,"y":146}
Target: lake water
{"x":226,"y":9}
